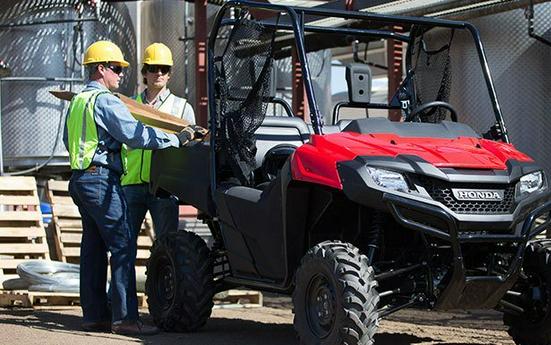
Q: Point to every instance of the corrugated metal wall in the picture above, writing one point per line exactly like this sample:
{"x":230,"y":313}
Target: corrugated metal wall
{"x":521,"y":69}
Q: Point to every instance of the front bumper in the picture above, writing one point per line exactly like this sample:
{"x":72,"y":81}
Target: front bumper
{"x":463,"y":291}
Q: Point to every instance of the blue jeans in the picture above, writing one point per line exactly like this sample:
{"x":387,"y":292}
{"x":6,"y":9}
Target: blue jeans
{"x":105,"y":228}
{"x":164,"y":211}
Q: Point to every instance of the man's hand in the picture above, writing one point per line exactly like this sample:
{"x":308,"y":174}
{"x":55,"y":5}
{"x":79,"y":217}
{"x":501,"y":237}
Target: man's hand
{"x":186,"y":135}
{"x":199,"y":131}
{"x":190,"y":133}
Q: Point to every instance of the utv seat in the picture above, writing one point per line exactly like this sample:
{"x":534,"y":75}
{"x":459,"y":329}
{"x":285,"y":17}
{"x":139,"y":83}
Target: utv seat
{"x":276,"y":131}
{"x":279,"y":131}
{"x":276,"y":139}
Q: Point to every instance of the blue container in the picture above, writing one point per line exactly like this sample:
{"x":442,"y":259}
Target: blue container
{"x":46,"y":210}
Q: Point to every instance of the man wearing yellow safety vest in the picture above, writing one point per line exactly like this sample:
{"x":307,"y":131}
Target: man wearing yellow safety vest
{"x":97,"y":124}
{"x":157,"y":64}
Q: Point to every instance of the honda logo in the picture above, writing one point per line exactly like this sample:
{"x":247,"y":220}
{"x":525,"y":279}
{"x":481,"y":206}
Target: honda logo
{"x":478,"y":194}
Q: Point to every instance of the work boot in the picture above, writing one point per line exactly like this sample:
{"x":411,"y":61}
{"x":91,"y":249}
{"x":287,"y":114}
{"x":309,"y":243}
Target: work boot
{"x":101,"y":326}
{"x":136,"y":327}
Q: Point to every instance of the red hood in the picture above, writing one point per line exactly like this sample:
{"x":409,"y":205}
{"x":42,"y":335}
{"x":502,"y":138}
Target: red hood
{"x":316,"y":161}
{"x":462,"y":152}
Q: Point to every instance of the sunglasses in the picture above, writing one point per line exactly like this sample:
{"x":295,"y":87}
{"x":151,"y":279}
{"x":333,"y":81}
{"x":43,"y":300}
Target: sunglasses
{"x":156,"y":68}
{"x":117,"y":69}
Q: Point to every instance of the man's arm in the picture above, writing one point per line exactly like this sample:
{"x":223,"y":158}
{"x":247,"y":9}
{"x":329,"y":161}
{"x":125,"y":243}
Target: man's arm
{"x":112,"y":115}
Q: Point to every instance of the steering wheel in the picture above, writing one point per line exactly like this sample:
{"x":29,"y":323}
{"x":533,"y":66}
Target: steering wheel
{"x":429,"y":105}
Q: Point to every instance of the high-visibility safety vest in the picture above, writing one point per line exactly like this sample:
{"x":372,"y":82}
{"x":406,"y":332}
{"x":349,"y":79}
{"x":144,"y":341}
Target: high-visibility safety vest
{"x":81,"y":129}
{"x":138,"y":161}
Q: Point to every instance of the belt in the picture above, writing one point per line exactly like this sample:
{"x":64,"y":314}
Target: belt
{"x":97,"y":168}
{"x":100,"y":168}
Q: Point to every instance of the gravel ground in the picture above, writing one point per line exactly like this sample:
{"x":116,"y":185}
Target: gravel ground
{"x":269,"y":325}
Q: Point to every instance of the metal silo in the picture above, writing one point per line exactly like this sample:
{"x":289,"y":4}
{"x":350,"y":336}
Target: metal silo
{"x":165,"y":22}
{"x":42,"y":43}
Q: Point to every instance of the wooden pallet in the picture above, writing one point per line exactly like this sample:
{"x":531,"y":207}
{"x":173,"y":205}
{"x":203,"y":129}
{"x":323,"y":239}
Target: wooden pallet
{"x":22,"y":234}
{"x":238,"y":298}
{"x":38,"y":299}
{"x":67,"y":227}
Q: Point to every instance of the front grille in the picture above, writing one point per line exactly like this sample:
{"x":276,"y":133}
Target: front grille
{"x":441,"y":191}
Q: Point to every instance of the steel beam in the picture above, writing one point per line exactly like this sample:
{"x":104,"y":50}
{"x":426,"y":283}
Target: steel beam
{"x":395,"y":65}
{"x":299,"y":102}
{"x":201,"y":98}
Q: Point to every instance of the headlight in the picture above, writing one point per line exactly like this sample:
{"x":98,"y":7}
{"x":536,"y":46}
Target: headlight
{"x":388,"y":179}
{"x":530,"y":183}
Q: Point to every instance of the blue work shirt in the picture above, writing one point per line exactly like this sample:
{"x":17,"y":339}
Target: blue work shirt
{"x":115,"y":126}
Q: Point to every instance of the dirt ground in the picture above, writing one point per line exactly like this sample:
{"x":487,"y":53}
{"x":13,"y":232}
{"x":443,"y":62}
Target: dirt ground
{"x":269,"y":325}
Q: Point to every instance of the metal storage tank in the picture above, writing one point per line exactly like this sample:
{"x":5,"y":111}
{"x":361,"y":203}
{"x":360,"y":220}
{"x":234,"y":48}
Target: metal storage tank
{"x":172,"y":23}
{"x":42,"y":44}
{"x":165,"y":21}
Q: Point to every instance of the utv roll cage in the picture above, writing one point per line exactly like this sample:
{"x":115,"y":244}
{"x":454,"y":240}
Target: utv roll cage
{"x":293,"y":18}
{"x":315,"y":211}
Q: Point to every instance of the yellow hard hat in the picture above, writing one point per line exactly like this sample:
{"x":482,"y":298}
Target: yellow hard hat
{"x":158,"y":54}
{"x":104,"y":51}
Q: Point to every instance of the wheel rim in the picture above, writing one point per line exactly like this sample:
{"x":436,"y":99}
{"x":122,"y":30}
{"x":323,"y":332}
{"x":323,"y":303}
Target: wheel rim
{"x":164,"y":288}
{"x":320,"y":307}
